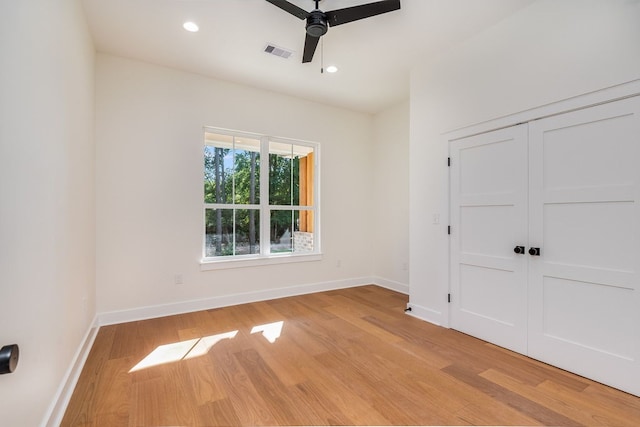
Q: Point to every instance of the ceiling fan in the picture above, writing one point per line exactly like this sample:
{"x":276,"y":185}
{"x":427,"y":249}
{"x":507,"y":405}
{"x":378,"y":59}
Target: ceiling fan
{"x":318,"y":22}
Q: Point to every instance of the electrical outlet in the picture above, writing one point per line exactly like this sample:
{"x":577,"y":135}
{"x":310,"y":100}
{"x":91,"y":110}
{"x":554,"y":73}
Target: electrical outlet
{"x":339,"y":263}
{"x":177,"y":279}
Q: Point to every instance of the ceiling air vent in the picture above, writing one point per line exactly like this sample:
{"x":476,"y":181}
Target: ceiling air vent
{"x":278,"y":51}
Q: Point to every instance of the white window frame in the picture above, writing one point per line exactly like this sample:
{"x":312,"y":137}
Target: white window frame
{"x":265,"y":257}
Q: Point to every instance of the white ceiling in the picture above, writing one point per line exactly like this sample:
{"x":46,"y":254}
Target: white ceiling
{"x":374,"y":55}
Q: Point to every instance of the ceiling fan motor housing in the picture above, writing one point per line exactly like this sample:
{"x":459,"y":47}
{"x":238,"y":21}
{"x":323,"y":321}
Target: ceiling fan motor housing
{"x":317,"y":23}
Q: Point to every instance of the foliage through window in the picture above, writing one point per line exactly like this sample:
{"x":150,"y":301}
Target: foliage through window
{"x":259,"y":196}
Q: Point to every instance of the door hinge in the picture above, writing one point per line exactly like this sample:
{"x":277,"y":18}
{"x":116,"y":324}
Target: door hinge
{"x":448,"y":229}
{"x":448,"y":161}
{"x":449,"y":298}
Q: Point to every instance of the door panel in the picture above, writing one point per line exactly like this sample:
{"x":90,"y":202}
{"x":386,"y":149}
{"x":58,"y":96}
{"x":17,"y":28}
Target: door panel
{"x":593,"y":307}
{"x":566,"y":241}
{"x":489,"y":218}
{"x":483,"y":291}
{"x":584,"y":302}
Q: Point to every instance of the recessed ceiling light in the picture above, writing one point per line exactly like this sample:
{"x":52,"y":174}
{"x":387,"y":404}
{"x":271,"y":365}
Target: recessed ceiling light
{"x":332,"y":69}
{"x":190,"y":26}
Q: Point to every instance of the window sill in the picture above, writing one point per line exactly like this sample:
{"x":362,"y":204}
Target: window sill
{"x":206,"y":265}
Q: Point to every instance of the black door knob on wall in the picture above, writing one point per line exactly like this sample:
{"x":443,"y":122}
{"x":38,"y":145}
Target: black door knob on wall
{"x":519,"y":250}
{"x":9,"y":358}
{"x":534,"y":251}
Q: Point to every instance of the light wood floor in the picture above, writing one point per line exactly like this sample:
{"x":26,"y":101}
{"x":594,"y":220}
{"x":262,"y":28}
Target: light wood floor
{"x":347,"y":357}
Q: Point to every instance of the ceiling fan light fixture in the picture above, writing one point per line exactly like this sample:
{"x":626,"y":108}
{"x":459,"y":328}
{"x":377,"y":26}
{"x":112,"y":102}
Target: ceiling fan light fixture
{"x":316,"y":24}
{"x":192,"y":27}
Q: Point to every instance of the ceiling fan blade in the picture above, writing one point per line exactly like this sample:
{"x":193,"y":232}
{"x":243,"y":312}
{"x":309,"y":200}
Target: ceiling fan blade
{"x":350,"y":14}
{"x":291,"y":8}
{"x":310,"y":44}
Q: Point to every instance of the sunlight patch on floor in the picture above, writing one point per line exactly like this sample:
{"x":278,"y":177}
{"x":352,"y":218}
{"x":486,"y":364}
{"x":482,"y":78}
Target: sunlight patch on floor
{"x":175,"y":352}
{"x":271,"y":331}
{"x":204,"y":345}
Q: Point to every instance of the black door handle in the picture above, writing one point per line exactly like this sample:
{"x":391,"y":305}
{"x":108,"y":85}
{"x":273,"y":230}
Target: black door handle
{"x":534,"y":251}
{"x":519,"y":249}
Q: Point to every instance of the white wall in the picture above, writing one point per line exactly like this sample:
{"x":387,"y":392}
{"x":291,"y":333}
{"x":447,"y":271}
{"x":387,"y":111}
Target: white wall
{"x":149,"y":141}
{"x":550,"y":51}
{"x":390,"y":210}
{"x":47,"y":217}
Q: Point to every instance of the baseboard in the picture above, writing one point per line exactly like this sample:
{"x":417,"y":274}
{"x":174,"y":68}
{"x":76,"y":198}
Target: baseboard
{"x":390,"y":284}
{"x":56,"y":410}
{"x":150,"y":312}
{"x":428,"y":315}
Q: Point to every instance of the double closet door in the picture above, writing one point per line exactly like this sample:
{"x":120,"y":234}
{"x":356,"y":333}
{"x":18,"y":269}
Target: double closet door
{"x":545,"y":241}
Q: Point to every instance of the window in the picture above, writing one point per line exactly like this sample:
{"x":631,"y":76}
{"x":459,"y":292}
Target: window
{"x":260,"y":198}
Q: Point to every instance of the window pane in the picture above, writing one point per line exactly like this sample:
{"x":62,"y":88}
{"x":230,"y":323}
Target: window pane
{"x":285,"y":233}
{"x":217,"y":174}
{"x":220,"y":237}
{"x":303,"y":237}
{"x":232,"y":169}
{"x":219,"y":232}
{"x":247,"y":171}
{"x":306,"y":166}
{"x":280,"y":176}
{"x":281,"y":231}
{"x":290,"y":174}
{"x":247,"y":231}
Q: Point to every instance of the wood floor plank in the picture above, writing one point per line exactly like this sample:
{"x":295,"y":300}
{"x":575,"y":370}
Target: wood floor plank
{"x":543,"y":414}
{"x":601,"y":410}
{"x":375,"y":297}
{"x":324,"y":411}
{"x":125,"y":341}
{"x":278,"y":397}
{"x":413,"y":402}
{"x":206,"y":384}
{"x":218,"y":413}
{"x":157,"y":398}
{"x":249,"y":406}
{"x":493,"y":414}
{"x":343,"y":357}
{"x":612,"y":398}
{"x":359,"y":321}
{"x":82,"y":413}
{"x":108,"y":395}
{"x":534,"y":372}
{"x":268,"y":314}
{"x":297,"y":333}
{"x":348,"y":402}
{"x":547,"y":400}
{"x":284,"y":357}
{"x":338,"y":367}
{"x":468,"y":405}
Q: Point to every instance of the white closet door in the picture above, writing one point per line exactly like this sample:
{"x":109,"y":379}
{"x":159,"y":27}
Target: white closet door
{"x":584,"y":296}
{"x":489,"y":218}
